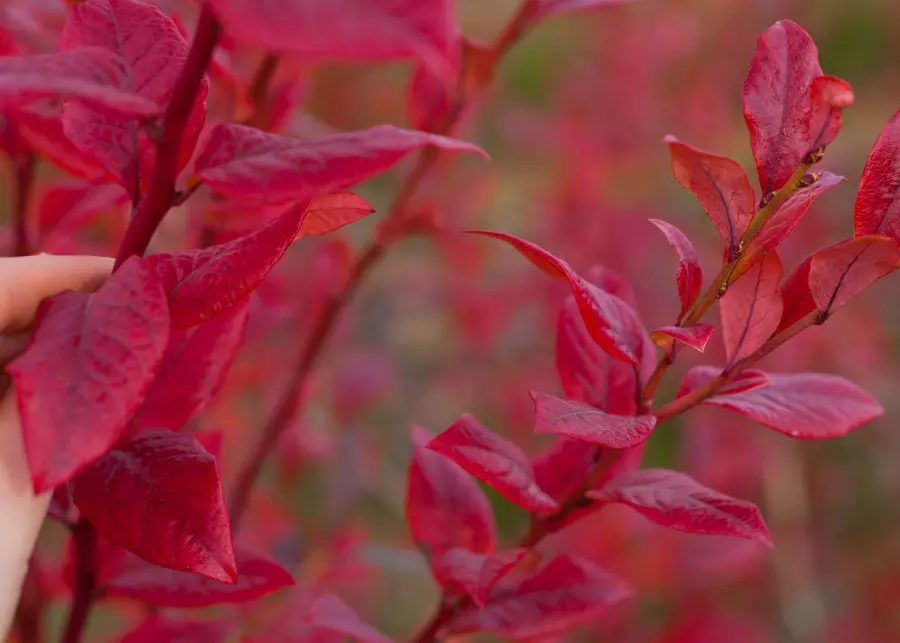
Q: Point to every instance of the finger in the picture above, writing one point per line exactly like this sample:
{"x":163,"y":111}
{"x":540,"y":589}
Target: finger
{"x":26,"y":281}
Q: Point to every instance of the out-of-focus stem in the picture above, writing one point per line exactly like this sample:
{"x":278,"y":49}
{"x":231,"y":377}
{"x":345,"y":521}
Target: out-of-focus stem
{"x":24,"y":167}
{"x":85,"y":589}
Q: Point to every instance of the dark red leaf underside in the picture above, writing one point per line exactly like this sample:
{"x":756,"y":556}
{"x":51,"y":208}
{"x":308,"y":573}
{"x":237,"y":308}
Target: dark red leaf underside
{"x":696,"y":336}
{"x":86,"y":370}
{"x":795,"y":294}
{"x":877,"y":209}
{"x":751,"y":309}
{"x":675,"y":500}
{"x":689,"y":277}
{"x":839,"y":273}
{"x":465,"y":572}
{"x":496,"y":462}
{"x":139,"y":580}
{"x":583,"y":422}
{"x":563,"y":593}
{"x":776,"y":97}
{"x":158,"y":495}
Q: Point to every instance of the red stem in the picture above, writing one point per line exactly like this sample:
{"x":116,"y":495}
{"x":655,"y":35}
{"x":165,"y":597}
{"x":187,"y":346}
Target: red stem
{"x":25,"y":166}
{"x":160,"y":194}
{"x":85,"y":590}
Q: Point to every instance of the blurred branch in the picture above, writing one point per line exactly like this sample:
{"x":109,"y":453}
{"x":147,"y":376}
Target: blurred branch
{"x":24,"y":167}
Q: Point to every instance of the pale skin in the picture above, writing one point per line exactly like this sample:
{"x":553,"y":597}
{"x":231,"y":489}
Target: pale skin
{"x":24,"y":283}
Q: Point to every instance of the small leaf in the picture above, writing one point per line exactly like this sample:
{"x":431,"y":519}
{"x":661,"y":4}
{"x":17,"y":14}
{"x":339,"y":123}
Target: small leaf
{"x":141,"y":581}
{"x":332,"y":212}
{"x":746,"y":380}
{"x":540,"y":258}
{"x":828,"y":96}
{"x":751,"y":309}
{"x":496,"y":462}
{"x":842,"y":271}
{"x":877,"y":209}
{"x":86,"y":370}
{"x":696,"y":336}
{"x":156,"y":628}
{"x":720,"y":185}
{"x":464,"y":571}
{"x":798,"y":300}
{"x":445,"y":507}
{"x":246,"y":163}
{"x":195,"y":365}
{"x":89,"y":74}
{"x":158,"y":495}
{"x":328,"y":613}
{"x":563,"y":593}
{"x":201,"y":284}
{"x":675,"y":500}
{"x":583,"y":422}
{"x":776,"y":96}
{"x":809,"y":406}
{"x":689,"y":276}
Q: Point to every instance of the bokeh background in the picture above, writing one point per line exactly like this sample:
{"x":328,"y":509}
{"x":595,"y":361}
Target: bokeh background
{"x":451,"y":324}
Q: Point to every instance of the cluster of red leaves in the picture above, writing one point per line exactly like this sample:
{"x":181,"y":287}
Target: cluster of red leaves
{"x":111,"y":381}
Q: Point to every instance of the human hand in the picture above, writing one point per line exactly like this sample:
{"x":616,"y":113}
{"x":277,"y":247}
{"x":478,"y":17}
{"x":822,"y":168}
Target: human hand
{"x":24,"y":283}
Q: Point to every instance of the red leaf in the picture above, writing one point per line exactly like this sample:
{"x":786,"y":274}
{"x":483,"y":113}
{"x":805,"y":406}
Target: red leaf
{"x":877,"y":209}
{"x":158,"y":495}
{"x":675,"y":500}
{"x":445,"y":507}
{"x":797,"y":298}
{"x":195,"y":365}
{"x":152,"y":52}
{"x":496,"y":462}
{"x":842,"y":271}
{"x":204,"y":283}
{"x":695,"y":336}
{"x":464,"y":571}
{"x":563,"y":593}
{"x":73,"y":205}
{"x":776,"y":97}
{"x":583,"y":422}
{"x":540,"y":258}
{"x":345,"y":29}
{"x":587,"y":373}
{"x":246,"y":163}
{"x":90,"y":74}
{"x":751,"y":309}
{"x":332,"y":212}
{"x":86,"y":370}
{"x":561,"y":467}
{"x":156,"y":628}
{"x":720,"y":185}
{"x":828,"y":96}
{"x":689,"y":276}
{"x":791,"y":211}
{"x":139,"y":580}
{"x":544,"y":9}
{"x":805,"y":405}
{"x":211,"y":440}
{"x":329,"y":613}
{"x":745,"y":380}
{"x":41,"y":125}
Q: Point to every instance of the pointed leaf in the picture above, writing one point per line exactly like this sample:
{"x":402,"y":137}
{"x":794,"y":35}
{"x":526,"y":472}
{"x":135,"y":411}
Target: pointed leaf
{"x":798,"y":300}
{"x":330,"y":614}
{"x":877,"y":209}
{"x":689,"y":276}
{"x":751,"y":309}
{"x":839,"y":273}
{"x":141,"y":581}
{"x":808,"y":406}
{"x":496,"y":462}
{"x":776,"y":96}
{"x":41,"y":126}
{"x":201,"y":284}
{"x":332,"y":212}
{"x":745,"y":380}
{"x":90,"y":74}
{"x":583,"y":422}
{"x":720,"y":185}
{"x":86,"y":370}
{"x":696,"y":336}
{"x":152,"y":52}
{"x":675,"y":500}
{"x":563,"y":593}
{"x":195,"y":365}
{"x":158,"y":495}
{"x":466,"y":572}
{"x":445,"y":507}
{"x":157,"y":628}
{"x":828,"y":96}
{"x":561,"y":467}
{"x":246,"y":163}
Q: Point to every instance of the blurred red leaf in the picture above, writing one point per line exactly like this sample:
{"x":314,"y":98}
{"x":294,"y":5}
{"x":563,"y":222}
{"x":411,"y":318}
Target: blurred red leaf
{"x":776,"y":98}
{"x":689,"y":276}
{"x":152,"y":52}
{"x":75,"y":204}
{"x":842,"y":271}
{"x":583,"y":422}
{"x":156,"y":628}
{"x":329,"y":613}
{"x":195,"y":365}
{"x":246,"y":163}
{"x":41,"y":125}
{"x":471,"y":573}
{"x":332,"y":212}
{"x":828,"y":96}
{"x":564,"y":592}
{"x":201,"y":284}
{"x":139,"y":580}
{"x":751,"y":309}
{"x":86,"y":370}
{"x":675,"y":500}
{"x":496,"y":462}
{"x":548,"y":8}
{"x":696,"y":336}
{"x":720,"y":185}
{"x":158,"y":495}
{"x":877,"y":209}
